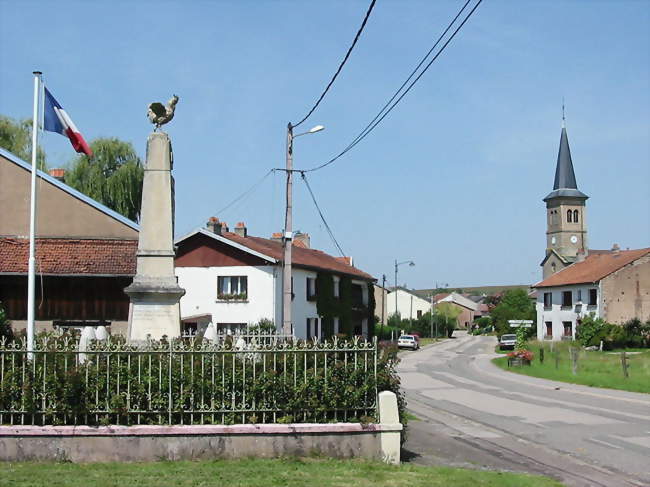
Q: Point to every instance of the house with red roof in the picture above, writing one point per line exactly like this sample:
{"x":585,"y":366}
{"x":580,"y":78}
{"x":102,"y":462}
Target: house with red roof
{"x":85,"y":253}
{"x":610,"y":284}
{"x":234,"y":280}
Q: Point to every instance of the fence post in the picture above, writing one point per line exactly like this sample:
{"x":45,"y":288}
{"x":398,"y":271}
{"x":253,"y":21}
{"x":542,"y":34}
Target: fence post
{"x":624,"y":364}
{"x":541,"y":355}
{"x":170,"y":403}
{"x":574,"y":360}
{"x":391,"y":428}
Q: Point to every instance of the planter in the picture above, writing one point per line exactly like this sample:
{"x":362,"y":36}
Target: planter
{"x":517,"y":362}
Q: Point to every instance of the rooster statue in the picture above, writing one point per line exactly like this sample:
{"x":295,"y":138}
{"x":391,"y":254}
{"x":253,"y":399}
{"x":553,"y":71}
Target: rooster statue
{"x":160,"y":114}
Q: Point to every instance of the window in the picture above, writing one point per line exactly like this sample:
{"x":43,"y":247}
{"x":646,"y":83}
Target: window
{"x":337,"y":326}
{"x":579,"y":297}
{"x":568,"y":328}
{"x":337,"y":290}
{"x":548,"y":300}
{"x":313,"y":330}
{"x":549,"y":329}
{"x":593,"y":297}
{"x":232,"y":288}
{"x":568,"y":215}
{"x":419,"y":313}
{"x":553,"y":267}
{"x":567,"y":299}
{"x":575,"y":216}
{"x":189,"y":330}
{"x":311,"y":288}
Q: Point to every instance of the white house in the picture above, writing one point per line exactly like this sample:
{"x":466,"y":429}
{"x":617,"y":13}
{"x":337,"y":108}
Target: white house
{"x":234,"y":280}
{"x":408,"y":304}
{"x":613,"y":285}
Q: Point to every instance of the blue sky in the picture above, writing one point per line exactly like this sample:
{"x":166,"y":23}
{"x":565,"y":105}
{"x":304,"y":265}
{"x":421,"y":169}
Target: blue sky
{"x":453,"y":178}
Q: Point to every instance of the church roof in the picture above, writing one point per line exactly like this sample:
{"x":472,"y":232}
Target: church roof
{"x":565,"y":179}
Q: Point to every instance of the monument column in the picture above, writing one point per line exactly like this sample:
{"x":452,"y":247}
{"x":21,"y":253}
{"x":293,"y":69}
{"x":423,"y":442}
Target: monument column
{"x":155,"y":293}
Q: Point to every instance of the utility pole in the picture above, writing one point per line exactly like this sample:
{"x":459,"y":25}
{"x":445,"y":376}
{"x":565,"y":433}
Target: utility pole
{"x":383,"y":303}
{"x":431,"y":319}
{"x":287,"y":238}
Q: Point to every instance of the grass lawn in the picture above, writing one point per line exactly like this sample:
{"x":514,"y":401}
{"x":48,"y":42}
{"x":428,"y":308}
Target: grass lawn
{"x":255,"y":473}
{"x":597,"y":369}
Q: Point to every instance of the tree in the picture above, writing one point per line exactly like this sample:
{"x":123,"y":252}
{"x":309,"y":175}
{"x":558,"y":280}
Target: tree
{"x":16,"y":137}
{"x":113,"y":176}
{"x":448,"y":313}
{"x":514,"y":305}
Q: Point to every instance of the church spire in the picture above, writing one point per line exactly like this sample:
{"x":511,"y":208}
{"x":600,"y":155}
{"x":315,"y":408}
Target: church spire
{"x":565,"y":179}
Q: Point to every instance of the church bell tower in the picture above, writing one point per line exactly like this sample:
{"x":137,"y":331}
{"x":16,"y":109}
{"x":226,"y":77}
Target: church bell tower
{"x":566,"y":215}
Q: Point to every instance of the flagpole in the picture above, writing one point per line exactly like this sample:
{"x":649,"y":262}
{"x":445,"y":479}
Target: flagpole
{"x":31,"y":276}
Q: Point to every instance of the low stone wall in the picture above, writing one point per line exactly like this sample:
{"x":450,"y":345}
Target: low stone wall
{"x":150,"y":443}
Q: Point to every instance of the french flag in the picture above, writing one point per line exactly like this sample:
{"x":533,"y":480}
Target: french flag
{"x":56,"y":119}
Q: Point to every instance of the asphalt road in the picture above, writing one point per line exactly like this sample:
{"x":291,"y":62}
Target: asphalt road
{"x":473,"y":414}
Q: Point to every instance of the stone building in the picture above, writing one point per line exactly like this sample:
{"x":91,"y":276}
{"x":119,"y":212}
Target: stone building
{"x":613,"y":285}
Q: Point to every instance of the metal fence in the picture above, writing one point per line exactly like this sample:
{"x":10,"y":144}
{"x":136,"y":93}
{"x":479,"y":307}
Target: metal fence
{"x":187,"y":382}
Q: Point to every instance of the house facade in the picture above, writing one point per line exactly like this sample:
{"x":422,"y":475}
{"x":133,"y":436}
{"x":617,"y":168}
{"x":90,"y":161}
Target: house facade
{"x":85,"y":253}
{"x":409,"y":305}
{"x":613,"y":285}
{"x":467,"y":307}
{"x":234,"y":280}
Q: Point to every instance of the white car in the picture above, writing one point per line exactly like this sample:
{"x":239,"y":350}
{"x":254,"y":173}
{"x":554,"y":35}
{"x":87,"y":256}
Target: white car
{"x":507,"y":341}
{"x":408,"y":341}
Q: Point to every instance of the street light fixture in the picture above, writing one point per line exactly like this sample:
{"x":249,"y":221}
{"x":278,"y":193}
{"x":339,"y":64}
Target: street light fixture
{"x":288,"y":232}
{"x":397,"y":264}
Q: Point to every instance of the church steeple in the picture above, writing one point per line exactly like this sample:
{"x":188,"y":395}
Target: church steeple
{"x":566,"y":227}
{"x":565,"y":179}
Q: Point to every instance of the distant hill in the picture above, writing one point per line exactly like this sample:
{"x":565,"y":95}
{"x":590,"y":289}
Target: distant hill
{"x":474,"y":291}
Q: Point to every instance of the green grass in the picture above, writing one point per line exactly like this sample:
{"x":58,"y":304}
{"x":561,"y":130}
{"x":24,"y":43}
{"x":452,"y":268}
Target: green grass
{"x":596,"y":369}
{"x":256,"y":473}
{"x":411,"y":417}
{"x":428,"y":341}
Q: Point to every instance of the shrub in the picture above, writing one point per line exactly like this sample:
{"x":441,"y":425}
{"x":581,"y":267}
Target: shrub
{"x":5,"y":326}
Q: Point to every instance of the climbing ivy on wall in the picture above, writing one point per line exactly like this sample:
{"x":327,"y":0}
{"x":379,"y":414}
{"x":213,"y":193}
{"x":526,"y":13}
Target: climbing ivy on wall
{"x":329,"y":307}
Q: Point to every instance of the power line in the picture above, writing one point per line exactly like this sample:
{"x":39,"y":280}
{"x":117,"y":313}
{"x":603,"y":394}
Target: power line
{"x":347,"y":55}
{"x":247,"y":192}
{"x":322,"y":217}
{"x":384,"y":111}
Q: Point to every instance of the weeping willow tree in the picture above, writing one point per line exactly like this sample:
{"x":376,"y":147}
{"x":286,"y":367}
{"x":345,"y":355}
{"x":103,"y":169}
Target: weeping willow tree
{"x":16,"y":137}
{"x":113,"y":176}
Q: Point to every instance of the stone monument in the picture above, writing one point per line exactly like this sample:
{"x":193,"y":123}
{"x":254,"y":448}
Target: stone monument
{"x":155,"y":293}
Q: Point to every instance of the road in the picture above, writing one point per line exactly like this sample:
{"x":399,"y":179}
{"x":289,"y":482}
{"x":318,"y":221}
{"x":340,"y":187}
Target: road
{"x":473,"y":414}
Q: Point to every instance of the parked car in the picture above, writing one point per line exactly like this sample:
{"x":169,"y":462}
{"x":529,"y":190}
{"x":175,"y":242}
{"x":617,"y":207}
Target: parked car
{"x":408,"y":341}
{"x":507,"y":341}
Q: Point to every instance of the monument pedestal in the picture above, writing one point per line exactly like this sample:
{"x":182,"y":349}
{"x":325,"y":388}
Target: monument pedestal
{"x":155,"y":293}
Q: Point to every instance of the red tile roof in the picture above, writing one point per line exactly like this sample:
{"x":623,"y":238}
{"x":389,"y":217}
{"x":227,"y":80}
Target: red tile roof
{"x":70,"y":256}
{"x":595,"y":266}
{"x":300,"y":256}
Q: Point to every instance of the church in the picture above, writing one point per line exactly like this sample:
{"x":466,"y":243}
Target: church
{"x":578,"y":281}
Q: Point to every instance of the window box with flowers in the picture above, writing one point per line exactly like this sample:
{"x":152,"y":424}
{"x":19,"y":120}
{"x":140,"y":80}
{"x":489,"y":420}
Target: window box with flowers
{"x":232,"y":288}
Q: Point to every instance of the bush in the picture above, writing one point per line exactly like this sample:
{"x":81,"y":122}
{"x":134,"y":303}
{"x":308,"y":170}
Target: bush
{"x":6,"y":332}
{"x":633,"y":333}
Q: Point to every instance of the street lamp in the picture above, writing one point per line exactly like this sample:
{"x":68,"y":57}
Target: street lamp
{"x":288,"y":232}
{"x":397,"y":264}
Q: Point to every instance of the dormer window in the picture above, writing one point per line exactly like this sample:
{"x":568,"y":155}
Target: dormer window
{"x":569,"y":215}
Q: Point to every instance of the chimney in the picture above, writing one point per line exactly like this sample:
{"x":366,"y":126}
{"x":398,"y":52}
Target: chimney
{"x":240,"y":229}
{"x":57,"y":173}
{"x":616,"y":248}
{"x":582,"y":255}
{"x":277,"y":237}
{"x":214,"y":225}
{"x":303,"y":238}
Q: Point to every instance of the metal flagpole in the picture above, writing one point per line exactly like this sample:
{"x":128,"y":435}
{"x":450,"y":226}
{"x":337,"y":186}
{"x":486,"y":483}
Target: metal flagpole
{"x":31,"y":278}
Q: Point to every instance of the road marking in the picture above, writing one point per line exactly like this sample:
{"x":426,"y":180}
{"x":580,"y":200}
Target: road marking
{"x":604,"y":443}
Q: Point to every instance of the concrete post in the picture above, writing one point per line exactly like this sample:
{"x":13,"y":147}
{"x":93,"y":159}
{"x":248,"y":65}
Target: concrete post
{"x":155,"y":293}
{"x":389,"y":420}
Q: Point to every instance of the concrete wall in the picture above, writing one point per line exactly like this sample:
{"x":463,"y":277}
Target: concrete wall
{"x":153,"y":443}
{"x":626,"y":292}
{"x":60,"y":214}
{"x":381,"y":302}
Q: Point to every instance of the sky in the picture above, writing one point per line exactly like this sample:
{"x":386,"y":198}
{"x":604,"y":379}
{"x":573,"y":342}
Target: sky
{"x":452,"y":179}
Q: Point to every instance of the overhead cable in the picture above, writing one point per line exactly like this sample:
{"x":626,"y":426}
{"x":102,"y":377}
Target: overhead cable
{"x":322,"y":217}
{"x":347,"y":55}
{"x":246,"y":193}
{"x":388,"y":107}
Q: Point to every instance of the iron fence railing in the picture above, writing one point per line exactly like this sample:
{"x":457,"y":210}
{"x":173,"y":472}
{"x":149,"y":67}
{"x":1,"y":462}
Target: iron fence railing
{"x":187,"y":382}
